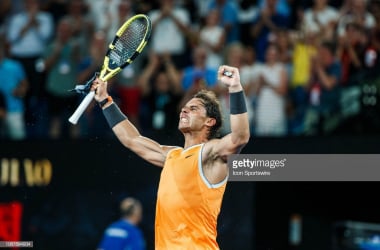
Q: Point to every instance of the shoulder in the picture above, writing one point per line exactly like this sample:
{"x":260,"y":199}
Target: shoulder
{"x":119,"y":229}
{"x":118,"y":223}
{"x":170,"y":150}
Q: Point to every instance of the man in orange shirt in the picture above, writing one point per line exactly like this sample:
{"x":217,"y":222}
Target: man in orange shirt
{"x":194,"y":177}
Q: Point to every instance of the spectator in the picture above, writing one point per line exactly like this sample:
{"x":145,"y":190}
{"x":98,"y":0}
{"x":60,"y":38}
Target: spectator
{"x":285,"y":48}
{"x":57,"y":9}
{"x":321,"y":18}
{"x":13,"y":87}
{"x":28,"y":34}
{"x":249,"y":75}
{"x":102,"y":12}
{"x":199,"y":72}
{"x":212,"y":36}
{"x":142,"y":6}
{"x":174,"y":22}
{"x":202,"y":7}
{"x":248,"y":11}
{"x":249,"y":71}
{"x":324,"y":89}
{"x":372,"y":53}
{"x":161,"y":93}
{"x":229,"y":18}
{"x":271,"y":97}
{"x":123,"y":12}
{"x":349,"y":52}
{"x":61,"y":61}
{"x":124,"y":233}
{"x":83,"y":25}
{"x":263,"y":27}
{"x":90,"y":123}
{"x":305,"y":48}
{"x":356,"y":12}
{"x":282,"y":6}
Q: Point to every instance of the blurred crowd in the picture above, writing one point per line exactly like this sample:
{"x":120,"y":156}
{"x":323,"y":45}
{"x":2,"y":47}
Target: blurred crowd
{"x":300,"y":62}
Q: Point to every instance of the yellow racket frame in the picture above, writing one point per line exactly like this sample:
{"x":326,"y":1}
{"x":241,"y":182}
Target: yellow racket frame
{"x":107,"y":73}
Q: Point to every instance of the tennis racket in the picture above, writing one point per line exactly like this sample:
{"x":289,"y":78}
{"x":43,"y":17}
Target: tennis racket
{"x":128,"y":43}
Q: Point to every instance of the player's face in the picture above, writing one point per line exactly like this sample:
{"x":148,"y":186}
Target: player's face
{"x":192,"y":116}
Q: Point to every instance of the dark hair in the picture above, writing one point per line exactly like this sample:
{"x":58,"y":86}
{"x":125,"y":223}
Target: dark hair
{"x":212,"y":106}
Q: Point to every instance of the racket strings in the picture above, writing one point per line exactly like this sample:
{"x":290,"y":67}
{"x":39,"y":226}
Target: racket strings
{"x":128,"y":42}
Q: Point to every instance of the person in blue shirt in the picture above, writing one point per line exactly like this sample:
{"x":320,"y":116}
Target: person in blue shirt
{"x":199,"y":71}
{"x":229,"y":18}
{"x":13,"y":88}
{"x":124,"y":234}
{"x":265,"y":25}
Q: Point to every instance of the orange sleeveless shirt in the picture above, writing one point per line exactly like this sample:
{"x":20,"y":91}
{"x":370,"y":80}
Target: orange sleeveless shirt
{"x":187,"y":204}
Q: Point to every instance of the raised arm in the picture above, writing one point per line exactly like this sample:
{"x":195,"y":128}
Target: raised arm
{"x":233,"y":142}
{"x":218,"y":150}
{"x":126,"y":132}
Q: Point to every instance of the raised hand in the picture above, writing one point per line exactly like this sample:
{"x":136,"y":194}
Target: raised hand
{"x":230,"y":77}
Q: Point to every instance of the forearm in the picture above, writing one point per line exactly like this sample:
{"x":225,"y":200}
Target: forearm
{"x":238,"y":116}
{"x":131,"y":138}
{"x":124,"y":130}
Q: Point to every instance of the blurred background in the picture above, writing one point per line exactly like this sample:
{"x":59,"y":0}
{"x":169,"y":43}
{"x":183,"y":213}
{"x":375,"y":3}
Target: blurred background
{"x":310,"y":69}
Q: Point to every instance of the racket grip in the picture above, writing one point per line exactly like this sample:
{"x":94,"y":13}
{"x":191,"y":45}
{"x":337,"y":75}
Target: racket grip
{"x":82,"y":107}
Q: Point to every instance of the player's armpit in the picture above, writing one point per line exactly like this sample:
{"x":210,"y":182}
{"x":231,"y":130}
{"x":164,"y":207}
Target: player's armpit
{"x":227,"y":145}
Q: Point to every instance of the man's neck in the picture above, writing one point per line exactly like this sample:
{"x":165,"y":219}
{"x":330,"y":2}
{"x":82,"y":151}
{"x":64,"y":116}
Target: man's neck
{"x":191,"y":140}
{"x":130,"y":220}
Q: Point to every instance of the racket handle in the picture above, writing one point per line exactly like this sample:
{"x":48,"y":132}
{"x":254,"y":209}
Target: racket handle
{"x":82,"y":107}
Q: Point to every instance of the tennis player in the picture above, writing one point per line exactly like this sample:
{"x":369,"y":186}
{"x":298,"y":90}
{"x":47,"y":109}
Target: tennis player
{"x":194,"y":177}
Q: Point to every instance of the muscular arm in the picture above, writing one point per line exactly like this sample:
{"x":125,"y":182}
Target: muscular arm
{"x":130,"y":137}
{"x":233,"y":142}
{"x":144,"y":147}
{"x":216,"y":151}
